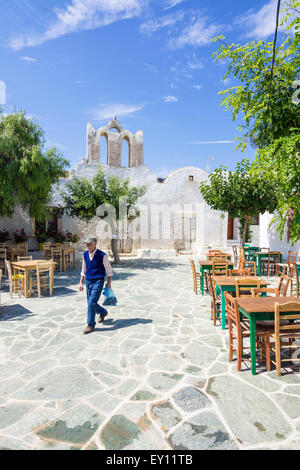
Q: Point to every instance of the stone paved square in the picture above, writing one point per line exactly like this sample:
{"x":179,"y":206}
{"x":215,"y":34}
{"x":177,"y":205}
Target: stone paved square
{"x":155,"y":376}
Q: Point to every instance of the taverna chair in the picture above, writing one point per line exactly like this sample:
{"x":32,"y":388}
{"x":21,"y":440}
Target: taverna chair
{"x":243,"y":286}
{"x":16,"y":281}
{"x":196,"y":277}
{"x":44,"y":278}
{"x":285,"y":267}
{"x":57,"y":255}
{"x":239,"y":330}
{"x":215,"y":300}
{"x":286,"y":331}
{"x":239,"y":272}
{"x":220,"y":268}
{"x":24,"y":258}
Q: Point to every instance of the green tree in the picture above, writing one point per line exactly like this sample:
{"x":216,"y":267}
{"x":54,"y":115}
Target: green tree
{"x":26,"y":172}
{"x":265,"y":99}
{"x":103,"y":198}
{"x":239,"y":193}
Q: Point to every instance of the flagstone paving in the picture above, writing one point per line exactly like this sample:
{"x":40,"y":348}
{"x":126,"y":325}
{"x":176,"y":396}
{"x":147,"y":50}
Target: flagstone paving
{"x":155,"y":376}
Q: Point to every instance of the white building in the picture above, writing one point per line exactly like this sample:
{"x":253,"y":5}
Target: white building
{"x":174,"y":217}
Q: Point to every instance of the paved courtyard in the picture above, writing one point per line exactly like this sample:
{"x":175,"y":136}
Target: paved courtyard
{"x":154,"y":376}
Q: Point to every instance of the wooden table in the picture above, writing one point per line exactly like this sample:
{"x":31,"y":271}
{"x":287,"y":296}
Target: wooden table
{"x":257,"y":256}
{"x":260,"y":309}
{"x":26,"y":267}
{"x":215,"y":255}
{"x":227,"y":284}
{"x":248,"y":249}
{"x":207,"y":266}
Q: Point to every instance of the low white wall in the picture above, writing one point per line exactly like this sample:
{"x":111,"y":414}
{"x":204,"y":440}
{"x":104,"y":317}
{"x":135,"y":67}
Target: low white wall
{"x":269,"y":237}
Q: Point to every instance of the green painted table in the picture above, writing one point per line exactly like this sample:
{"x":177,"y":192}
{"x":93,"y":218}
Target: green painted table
{"x":259,"y":310}
{"x":227,"y":284}
{"x":207,"y":266}
{"x":248,"y":250}
{"x":257,"y":256}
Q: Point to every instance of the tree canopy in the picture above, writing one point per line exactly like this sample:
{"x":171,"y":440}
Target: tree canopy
{"x":27,"y":173}
{"x":240,"y":193}
{"x":83,"y":198}
{"x":265,"y":99}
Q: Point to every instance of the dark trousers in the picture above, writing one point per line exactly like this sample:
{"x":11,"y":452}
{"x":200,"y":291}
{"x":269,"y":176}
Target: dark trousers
{"x":94,"y":289}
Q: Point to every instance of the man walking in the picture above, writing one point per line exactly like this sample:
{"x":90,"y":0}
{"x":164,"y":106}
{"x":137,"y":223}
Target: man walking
{"x":95,"y":267}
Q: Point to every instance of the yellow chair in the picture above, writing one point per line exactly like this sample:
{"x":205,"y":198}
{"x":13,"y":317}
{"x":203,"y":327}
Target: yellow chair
{"x":16,"y":281}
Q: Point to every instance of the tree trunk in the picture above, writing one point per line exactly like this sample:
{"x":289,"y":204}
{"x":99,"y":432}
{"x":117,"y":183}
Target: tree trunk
{"x":114,"y":243}
{"x":246,"y":221}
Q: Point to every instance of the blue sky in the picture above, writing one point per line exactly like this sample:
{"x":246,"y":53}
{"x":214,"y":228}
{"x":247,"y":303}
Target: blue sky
{"x":67,"y":62}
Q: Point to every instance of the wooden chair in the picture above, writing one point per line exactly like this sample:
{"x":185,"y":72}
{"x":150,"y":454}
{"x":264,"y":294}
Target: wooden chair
{"x":196,"y":277}
{"x":273,"y":261}
{"x":239,"y":272}
{"x":47,"y":251}
{"x":24,"y":258}
{"x":265,"y":290}
{"x":243,"y":286}
{"x":283,"y":267}
{"x":220,"y":256}
{"x":16,"y":281}
{"x":239,"y":330}
{"x":284,"y":331}
{"x":295,"y":287}
{"x":283,"y":285}
{"x":215,"y":300}
{"x":44,"y":278}
{"x":219,"y":268}
{"x":3,"y":257}
{"x":57,"y":255}
{"x":251,"y":265}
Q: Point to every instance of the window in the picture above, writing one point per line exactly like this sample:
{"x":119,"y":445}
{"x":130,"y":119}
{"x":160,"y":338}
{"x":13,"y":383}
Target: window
{"x":191,"y":178}
{"x":255,"y":220}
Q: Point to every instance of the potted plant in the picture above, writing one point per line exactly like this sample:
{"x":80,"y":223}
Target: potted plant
{"x":20,"y":236}
{"x":72,"y":237}
{"x":4,"y":236}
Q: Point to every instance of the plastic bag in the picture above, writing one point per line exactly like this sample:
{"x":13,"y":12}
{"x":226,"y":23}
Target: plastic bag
{"x":110,"y":298}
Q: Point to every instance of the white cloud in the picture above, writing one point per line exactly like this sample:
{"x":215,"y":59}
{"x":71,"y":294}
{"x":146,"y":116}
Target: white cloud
{"x":170,"y":99}
{"x":198,"y":33}
{"x":28,"y":59}
{"x":167,"y":21}
{"x":260,"y":24}
{"x":81,"y":15}
{"x":197,"y":87}
{"x":197,"y":65}
{"x":151,"y":68}
{"x":213,"y":142}
{"x":108,"y":110}
{"x":173,"y":3}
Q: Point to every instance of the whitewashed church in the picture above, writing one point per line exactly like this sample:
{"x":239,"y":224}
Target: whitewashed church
{"x":173,"y":218}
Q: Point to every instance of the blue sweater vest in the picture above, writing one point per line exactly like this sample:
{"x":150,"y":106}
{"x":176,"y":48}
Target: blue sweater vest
{"x":94,"y":268}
